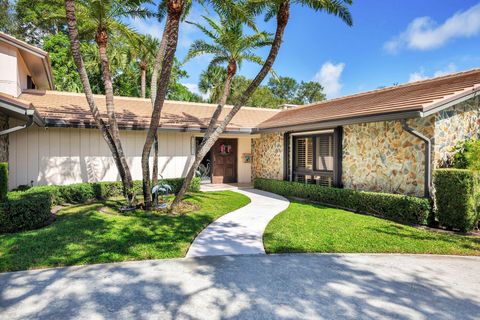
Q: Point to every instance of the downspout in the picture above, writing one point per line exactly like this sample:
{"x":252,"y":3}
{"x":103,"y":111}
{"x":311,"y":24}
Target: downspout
{"x":428,"y":155}
{"x":17,"y":128}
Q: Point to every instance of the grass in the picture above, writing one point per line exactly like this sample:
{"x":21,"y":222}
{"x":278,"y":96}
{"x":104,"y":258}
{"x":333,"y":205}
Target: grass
{"x":306,"y":227}
{"x":84,"y":235}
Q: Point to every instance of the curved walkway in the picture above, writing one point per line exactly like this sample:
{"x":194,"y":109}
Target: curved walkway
{"x":240,"y":231}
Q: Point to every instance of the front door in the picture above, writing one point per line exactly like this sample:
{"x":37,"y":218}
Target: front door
{"x":224,"y":154}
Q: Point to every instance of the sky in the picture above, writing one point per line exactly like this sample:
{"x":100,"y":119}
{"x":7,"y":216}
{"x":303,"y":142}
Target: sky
{"x":391,"y":42}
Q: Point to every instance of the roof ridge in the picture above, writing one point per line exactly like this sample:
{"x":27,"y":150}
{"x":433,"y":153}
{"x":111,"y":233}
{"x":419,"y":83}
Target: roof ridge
{"x":390,"y":88}
{"x":79,"y":94}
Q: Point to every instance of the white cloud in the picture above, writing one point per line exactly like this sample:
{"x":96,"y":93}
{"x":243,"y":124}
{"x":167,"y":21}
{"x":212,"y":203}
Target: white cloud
{"x":424,"y":33}
{"x":149,"y":26}
{"x":329,"y":77}
{"x":194,"y":88}
{"x":421,"y":75}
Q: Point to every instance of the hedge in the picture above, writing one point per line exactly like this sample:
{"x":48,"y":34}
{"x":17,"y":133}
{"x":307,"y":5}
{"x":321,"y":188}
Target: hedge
{"x":3,"y":181}
{"x":457,"y":196}
{"x":83,"y":192}
{"x":25,"y":210}
{"x":401,"y":208}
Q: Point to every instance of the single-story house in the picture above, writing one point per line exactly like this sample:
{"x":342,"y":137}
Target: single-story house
{"x":382,"y":140}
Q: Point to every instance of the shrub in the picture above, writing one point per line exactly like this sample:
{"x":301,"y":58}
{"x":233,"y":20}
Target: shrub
{"x":456,"y":198}
{"x":25,"y":210}
{"x":3,"y":181}
{"x":467,"y":155}
{"x":396,"y":207}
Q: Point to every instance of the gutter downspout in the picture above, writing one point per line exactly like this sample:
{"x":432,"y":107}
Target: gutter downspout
{"x":428,"y":155}
{"x":17,"y":128}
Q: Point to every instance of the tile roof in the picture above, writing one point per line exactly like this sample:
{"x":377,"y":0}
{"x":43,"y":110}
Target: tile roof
{"x":419,"y":96}
{"x":71,"y":109}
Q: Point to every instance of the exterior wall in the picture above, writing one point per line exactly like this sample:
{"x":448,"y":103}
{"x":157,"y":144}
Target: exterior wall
{"x":4,"y":138}
{"x":244,"y":172}
{"x":381,"y":156}
{"x":13,"y":75}
{"x":8,"y":67}
{"x":454,"y":125}
{"x":268,"y":156}
{"x":69,"y":155}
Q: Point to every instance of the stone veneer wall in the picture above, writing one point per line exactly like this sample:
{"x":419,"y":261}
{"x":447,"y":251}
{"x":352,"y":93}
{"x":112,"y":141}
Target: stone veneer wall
{"x":453,"y":125}
{"x":381,"y":156}
{"x":267,"y":156}
{"x":3,"y":139}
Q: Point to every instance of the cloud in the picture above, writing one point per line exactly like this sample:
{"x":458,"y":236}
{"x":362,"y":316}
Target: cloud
{"x":424,"y":33}
{"x":148,"y":26}
{"x":329,"y":77}
{"x":194,"y":88}
{"x":420,"y":75}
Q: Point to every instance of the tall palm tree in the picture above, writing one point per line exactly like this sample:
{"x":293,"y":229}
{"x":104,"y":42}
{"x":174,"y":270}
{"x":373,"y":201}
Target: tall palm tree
{"x":272,"y":8}
{"x":145,"y":50}
{"x":103,"y":17}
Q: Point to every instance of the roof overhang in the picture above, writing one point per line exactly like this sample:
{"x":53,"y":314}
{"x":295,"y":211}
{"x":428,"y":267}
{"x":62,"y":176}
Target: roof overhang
{"x":19,"y":110}
{"x":58,"y":123}
{"x":37,"y":61}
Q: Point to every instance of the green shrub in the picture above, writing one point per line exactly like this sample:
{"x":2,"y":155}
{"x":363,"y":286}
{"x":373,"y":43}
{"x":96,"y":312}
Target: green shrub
{"x":3,"y":181}
{"x":456,"y":198}
{"x":467,"y":155}
{"x":396,"y":207}
{"x":25,"y":210}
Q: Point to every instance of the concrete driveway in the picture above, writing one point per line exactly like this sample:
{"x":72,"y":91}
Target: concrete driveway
{"x":297,"y":286}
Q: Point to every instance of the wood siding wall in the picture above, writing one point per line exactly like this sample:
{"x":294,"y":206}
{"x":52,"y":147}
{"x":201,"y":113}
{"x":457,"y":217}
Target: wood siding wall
{"x":71,"y":155}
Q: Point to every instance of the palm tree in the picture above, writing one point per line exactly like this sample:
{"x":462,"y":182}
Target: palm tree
{"x":102,"y":17}
{"x":146,"y":48}
{"x":211,"y":81}
{"x":272,"y":8}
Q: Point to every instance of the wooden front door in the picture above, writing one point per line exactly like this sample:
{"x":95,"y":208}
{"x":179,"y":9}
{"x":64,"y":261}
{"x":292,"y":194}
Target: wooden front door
{"x":224,"y":154}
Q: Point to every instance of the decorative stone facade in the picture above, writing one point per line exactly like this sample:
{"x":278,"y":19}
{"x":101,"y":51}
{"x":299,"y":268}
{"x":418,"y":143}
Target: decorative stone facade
{"x":3,"y":139}
{"x":381,"y":156}
{"x":454,"y":125}
{"x":267,"y":156}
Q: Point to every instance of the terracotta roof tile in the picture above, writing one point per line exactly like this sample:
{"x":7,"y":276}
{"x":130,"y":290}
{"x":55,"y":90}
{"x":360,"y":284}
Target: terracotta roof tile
{"x":416,"y":96}
{"x":72,"y":109}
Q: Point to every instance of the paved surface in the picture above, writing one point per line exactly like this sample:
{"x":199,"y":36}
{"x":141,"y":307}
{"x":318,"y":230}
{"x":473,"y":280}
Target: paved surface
{"x":299,"y":286}
{"x":240,"y":231}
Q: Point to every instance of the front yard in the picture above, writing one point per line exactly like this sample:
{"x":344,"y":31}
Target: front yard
{"x":98,"y":233}
{"x":306,"y":227}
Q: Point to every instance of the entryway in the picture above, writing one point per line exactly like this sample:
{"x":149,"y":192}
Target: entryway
{"x":220,"y":164}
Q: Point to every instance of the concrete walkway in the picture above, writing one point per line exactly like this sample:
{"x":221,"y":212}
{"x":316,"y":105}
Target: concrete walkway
{"x":240,"y":231}
{"x":299,"y":286}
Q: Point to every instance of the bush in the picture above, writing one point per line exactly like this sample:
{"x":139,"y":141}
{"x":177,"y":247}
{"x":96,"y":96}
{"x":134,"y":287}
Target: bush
{"x":396,"y":207}
{"x":3,"y":181}
{"x":456,"y":198}
{"x":25,"y":210}
{"x":467,"y":155}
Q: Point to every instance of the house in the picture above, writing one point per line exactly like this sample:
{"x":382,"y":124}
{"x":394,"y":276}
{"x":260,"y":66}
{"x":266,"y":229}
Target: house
{"x":382,"y":140}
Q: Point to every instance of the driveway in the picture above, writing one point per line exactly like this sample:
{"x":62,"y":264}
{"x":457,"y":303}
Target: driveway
{"x":297,"y":286}
{"x":240,"y":231}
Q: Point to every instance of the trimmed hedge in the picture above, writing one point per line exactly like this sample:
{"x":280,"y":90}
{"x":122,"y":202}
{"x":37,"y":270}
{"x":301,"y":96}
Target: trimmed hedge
{"x":457,"y":196}
{"x":3,"y":181}
{"x":25,"y":210}
{"x":412,"y":210}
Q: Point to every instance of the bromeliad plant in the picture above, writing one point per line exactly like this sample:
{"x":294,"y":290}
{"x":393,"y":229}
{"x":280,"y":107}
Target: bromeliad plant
{"x":159,"y":192}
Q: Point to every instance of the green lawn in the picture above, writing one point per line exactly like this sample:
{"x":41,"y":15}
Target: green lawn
{"x":310,"y":228}
{"x":84,"y":235}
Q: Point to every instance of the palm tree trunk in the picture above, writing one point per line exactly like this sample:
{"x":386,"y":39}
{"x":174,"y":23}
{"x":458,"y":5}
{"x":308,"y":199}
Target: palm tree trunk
{"x":77,"y":57}
{"x":102,"y":42}
{"x":153,"y":93}
{"x":210,"y":138}
{"x":175,"y":9}
{"x":143,"y":82}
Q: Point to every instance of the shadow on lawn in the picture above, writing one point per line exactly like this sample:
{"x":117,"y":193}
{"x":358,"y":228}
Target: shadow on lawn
{"x":245,"y":287}
{"x":82,"y":235}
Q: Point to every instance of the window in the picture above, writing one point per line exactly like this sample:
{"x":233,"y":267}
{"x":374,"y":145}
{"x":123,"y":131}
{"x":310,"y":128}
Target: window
{"x":30,"y":84}
{"x":313,"y":160}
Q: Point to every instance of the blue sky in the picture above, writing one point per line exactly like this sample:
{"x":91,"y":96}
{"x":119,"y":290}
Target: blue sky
{"x":391,"y":41}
